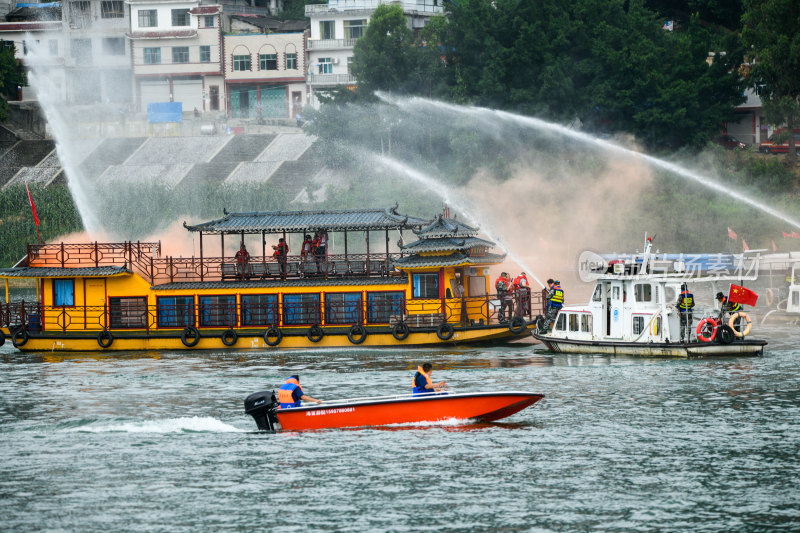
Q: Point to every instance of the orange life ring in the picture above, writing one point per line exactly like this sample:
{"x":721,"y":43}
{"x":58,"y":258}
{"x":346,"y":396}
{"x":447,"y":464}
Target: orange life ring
{"x":770,"y":297}
{"x":732,"y":324}
{"x":700,"y":326}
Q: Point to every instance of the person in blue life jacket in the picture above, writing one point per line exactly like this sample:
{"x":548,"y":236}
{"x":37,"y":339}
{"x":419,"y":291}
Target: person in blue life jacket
{"x":725,"y":307}
{"x":291,"y":394}
{"x":685,"y":306}
{"x":423,"y":384}
{"x":555,"y":301}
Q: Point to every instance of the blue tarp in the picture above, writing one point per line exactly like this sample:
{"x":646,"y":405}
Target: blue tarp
{"x":43,"y":5}
{"x":165,"y":112}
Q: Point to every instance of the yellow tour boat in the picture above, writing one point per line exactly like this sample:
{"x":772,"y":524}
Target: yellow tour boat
{"x":130,"y":296}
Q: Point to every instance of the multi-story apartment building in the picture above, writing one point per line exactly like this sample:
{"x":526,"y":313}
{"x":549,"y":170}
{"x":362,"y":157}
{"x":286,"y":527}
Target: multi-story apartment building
{"x":265,"y":64}
{"x":335,"y":26}
{"x":176,"y":49}
{"x":97,"y":59}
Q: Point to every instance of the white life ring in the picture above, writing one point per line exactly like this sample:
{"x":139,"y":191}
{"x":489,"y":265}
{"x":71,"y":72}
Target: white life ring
{"x":732,"y":324}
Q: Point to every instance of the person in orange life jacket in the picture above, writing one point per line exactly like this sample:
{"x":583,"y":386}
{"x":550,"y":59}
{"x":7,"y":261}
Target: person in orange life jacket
{"x":305,"y":250}
{"x":242,"y":258}
{"x":291,"y":394}
{"x":504,"y":286}
{"x":555,"y":301}
{"x":523,"y":290}
{"x":422,"y":381}
{"x":280,"y":254}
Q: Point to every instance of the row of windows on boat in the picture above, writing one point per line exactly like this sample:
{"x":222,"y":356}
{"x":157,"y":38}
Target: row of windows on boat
{"x":582,"y":323}
{"x":642,"y":292}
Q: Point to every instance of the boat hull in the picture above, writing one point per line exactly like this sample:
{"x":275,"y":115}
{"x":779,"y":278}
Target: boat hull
{"x":480,"y":407}
{"x":293,"y":338}
{"x":661,"y":349}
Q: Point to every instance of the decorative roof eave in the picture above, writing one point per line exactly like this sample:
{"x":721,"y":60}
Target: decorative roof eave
{"x":58,"y":272}
{"x":446,"y":227}
{"x":443,"y":244}
{"x":302,"y":221}
{"x":454,"y":260}
{"x":205,"y":10}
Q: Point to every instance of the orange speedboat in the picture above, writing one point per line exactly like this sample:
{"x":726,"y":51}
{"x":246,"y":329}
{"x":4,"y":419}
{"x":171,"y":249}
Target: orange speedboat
{"x":386,"y":410}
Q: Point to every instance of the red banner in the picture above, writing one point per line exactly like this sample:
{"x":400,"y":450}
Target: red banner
{"x":774,"y":247}
{"x":33,"y":207}
{"x":786,"y":235}
{"x":795,"y":235}
{"x":731,"y":234}
{"x":744,"y":245}
{"x":740,"y":295}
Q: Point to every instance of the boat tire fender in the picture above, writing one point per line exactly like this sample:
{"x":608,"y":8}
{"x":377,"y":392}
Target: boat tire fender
{"x":105,"y":338}
{"x":357,"y":334}
{"x":517,"y":325}
{"x":770,"y":297}
{"x":703,"y":326}
{"x":725,"y":334}
{"x":19,"y":337}
{"x":445,"y":331}
{"x":229,"y":337}
{"x":273,"y":336}
{"x":190,"y":336}
{"x":744,"y":316}
{"x":315,"y":333}
{"x":400,"y":331}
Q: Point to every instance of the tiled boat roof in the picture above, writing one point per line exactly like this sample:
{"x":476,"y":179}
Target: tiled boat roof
{"x":446,"y":243}
{"x":446,"y":227}
{"x":58,"y":272}
{"x":297,"y":221}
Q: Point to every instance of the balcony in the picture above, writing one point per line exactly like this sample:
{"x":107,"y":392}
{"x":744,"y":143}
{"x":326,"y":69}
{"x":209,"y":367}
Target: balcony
{"x":430,"y":7}
{"x":331,"y":79}
{"x":331,"y":44}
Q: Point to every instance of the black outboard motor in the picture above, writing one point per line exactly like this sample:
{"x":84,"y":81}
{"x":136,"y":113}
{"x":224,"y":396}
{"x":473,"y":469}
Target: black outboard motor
{"x":262,"y":406}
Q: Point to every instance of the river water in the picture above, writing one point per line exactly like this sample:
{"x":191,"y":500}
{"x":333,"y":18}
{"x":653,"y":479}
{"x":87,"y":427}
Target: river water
{"x":159,"y":442}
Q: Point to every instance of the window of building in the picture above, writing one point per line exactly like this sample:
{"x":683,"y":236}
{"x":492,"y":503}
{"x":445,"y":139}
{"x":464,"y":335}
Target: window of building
{"x":353,"y":29}
{"x":268,"y":61}
{"x":205,"y":53}
{"x":327,"y":29}
{"x":152,"y":56}
{"x":241,"y":62}
{"x":259,"y":309}
{"x":180,"y":17}
{"x":638,"y":324}
{"x":291,"y":61}
{"x":325,"y":65}
{"x":642,"y":292}
{"x":81,"y":50}
{"x":63,"y":292}
{"x":175,"y":311}
{"x":382,"y":306}
{"x":301,"y":309}
{"x":114,"y":46}
{"x":148,"y":18}
{"x":217,"y":310}
{"x":208,"y":21}
{"x":112,"y":9}
{"x":53,"y":44}
{"x":350,"y":64}
{"x":128,"y":312}
{"x":180,"y":54}
{"x":425,"y":285}
{"x":343,"y":308}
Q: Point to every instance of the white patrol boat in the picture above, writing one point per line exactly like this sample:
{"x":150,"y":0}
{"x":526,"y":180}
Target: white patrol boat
{"x":785,"y":302}
{"x":633,"y":311}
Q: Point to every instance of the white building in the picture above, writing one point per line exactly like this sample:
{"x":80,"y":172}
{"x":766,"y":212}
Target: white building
{"x":177,"y":54}
{"x":335,"y":26}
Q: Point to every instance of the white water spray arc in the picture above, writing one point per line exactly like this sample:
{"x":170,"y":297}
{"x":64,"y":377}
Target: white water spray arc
{"x":444,"y":193}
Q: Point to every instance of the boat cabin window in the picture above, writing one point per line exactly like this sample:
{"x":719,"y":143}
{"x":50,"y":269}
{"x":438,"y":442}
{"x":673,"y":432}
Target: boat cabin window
{"x":561,"y":323}
{"x":574,"y":322}
{"x":586,"y":323}
{"x":425,"y":285}
{"x":796,"y":298}
{"x":259,"y":309}
{"x":175,"y":311}
{"x":217,"y":310}
{"x":343,"y":308}
{"x":615,"y":293}
{"x":382,"y":306}
{"x":63,"y":292}
{"x":598,"y":294}
{"x":639,"y":322}
{"x":301,"y":309}
{"x":476,"y":286}
{"x":128,"y":312}
{"x":643,"y":292}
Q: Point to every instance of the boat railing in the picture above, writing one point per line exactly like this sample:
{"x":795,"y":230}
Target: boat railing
{"x":395,"y":397}
{"x":95,"y":254}
{"x":258,"y":311}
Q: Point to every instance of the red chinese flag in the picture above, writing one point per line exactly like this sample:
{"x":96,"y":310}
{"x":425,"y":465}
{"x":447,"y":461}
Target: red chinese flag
{"x":740,"y":295}
{"x":731,"y":234}
{"x":33,"y":207}
{"x":795,"y":235}
{"x":744,"y":245}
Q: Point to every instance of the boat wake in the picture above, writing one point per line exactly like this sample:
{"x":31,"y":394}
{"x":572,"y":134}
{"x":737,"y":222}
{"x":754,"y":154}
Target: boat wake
{"x":193,"y":424}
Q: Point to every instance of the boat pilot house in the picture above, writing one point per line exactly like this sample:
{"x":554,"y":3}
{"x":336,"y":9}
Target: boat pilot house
{"x":269,"y":279}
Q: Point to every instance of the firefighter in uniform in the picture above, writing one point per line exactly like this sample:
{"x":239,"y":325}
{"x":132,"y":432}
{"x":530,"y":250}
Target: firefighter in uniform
{"x":685,"y":306}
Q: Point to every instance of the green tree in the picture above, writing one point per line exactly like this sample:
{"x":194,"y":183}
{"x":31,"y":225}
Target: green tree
{"x":771,"y":33}
{"x":12,"y":75}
